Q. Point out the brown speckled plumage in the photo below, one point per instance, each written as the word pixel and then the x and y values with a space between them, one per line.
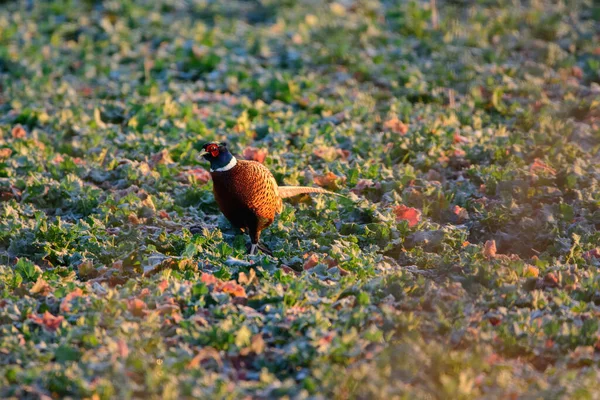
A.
pixel 247 192
pixel 248 196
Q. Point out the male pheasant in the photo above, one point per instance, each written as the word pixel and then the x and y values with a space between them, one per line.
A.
pixel 247 192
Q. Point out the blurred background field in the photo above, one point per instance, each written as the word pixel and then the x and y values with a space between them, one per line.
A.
pixel 464 263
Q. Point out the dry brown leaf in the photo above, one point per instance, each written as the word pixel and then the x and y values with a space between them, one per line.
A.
pixel 203 354
pixel 551 280
pixel 395 125
pixel 41 287
pixel 257 346
pixel 311 260
pixel 489 249
pixel 247 279
pixel 48 321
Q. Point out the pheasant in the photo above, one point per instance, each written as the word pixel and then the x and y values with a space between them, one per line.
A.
pixel 247 192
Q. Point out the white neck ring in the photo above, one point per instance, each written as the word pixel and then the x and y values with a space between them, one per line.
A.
pixel 232 163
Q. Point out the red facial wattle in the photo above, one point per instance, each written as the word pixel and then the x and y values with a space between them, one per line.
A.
pixel 213 150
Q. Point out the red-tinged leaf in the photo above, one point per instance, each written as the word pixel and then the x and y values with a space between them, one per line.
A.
pixel 200 174
pixel 457 210
pixel 203 112
pixel 591 254
pixel 458 138
pixel 144 293
pixel 163 285
pixel 459 153
pixel 208 279
pixel 551 280
pixel 311 260
pixel 326 340
pixel 409 214
pixel 294 312
pixel 232 288
pixel 48 321
pixel 57 159
pixel 65 304
pixel 329 180
pixel 395 125
pixel 344 154
pixel 443 159
pixel 136 307
pixel 255 154
pixel 539 166
pixel 164 215
pixel 493 359
pixel 18 132
pixel 123 349
pixel 460 212
pixel 331 262
pixel 343 272
pixel 597 344
pixel 489 249
pixel 5 153
pixel 288 269
pixel 86 91
pixel 133 219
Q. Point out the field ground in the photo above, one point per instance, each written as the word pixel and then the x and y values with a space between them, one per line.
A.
pixel 462 264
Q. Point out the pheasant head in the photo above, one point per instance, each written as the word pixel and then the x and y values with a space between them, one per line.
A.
pixel 219 156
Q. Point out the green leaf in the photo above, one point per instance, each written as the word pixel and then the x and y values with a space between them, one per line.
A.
pixel 27 270
pixel 64 354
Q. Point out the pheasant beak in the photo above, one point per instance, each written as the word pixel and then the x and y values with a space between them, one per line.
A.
pixel 204 152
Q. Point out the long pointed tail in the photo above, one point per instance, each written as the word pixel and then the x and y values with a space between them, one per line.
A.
pixel 290 191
